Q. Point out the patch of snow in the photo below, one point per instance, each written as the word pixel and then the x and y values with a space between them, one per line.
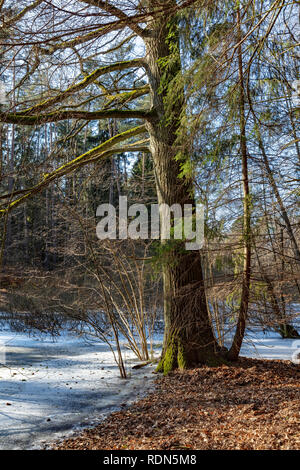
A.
pixel 268 345
pixel 50 388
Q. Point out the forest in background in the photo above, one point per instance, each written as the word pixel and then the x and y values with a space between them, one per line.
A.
pixel 162 102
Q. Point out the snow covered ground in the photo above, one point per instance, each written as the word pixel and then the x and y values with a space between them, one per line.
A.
pixel 268 345
pixel 50 389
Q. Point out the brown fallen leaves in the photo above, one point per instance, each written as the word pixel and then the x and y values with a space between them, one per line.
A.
pixel 252 405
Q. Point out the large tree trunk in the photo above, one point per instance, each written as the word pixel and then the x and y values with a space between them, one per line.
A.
pixel 189 338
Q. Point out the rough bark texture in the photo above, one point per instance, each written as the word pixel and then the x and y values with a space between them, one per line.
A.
pixel 189 338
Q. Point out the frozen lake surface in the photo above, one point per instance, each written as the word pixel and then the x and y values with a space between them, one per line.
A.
pixel 50 389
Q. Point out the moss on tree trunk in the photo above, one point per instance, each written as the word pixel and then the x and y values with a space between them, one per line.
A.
pixel 178 354
pixel 189 338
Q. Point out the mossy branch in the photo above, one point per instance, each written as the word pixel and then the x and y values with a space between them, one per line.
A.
pixel 19 119
pixel 102 151
pixel 126 97
pixel 21 14
pixel 82 84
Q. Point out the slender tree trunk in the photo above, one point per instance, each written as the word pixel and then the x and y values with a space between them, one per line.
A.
pixel 2 139
pixel 11 180
pixel 112 163
pixel 280 202
pixel 26 235
pixel 269 285
pixel 189 338
pixel 234 351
